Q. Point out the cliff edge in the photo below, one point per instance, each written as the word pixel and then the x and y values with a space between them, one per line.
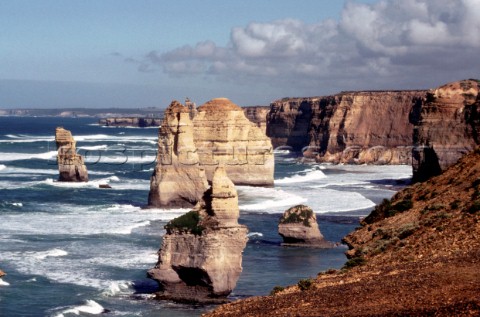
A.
pixel 417 254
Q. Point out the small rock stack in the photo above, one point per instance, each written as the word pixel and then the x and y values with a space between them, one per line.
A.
pixel 298 227
pixel 70 165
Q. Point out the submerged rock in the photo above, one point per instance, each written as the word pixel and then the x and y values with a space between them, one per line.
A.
pixel 200 259
pixel 70 165
pixel 178 180
pixel 298 227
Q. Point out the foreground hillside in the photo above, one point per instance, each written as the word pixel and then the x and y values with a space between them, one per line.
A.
pixel 416 255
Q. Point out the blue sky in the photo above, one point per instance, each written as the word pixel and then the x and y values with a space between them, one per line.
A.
pixel 119 53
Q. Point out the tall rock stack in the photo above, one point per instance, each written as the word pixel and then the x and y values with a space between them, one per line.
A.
pixel 447 126
pixel 200 259
pixel 70 165
pixel 223 135
pixel 178 180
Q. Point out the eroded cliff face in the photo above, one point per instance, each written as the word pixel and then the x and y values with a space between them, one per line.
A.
pixel 257 115
pixel 223 135
pixel 447 127
pixel 178 180
pixel 200 259
pixel 71 166
pixel 351 127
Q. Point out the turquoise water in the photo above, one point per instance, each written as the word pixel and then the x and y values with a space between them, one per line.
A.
pixel 74 249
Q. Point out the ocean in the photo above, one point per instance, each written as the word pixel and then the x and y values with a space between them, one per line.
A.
pixel 74 249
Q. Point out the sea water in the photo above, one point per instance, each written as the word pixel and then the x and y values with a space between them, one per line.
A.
pixel 75 249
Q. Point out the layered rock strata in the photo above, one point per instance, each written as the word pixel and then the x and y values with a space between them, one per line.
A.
pixel 71 165
pixel 178 179
pixel 223 135
pixel 298 227
pixel 200 259
pixel 446 127
pixel 350 127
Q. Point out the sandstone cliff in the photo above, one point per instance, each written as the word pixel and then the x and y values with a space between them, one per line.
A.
pixel 70 165
pixel 178 180
pixel 223 135
pixel 350 127
pixel 200 259
pixel 447 127
pixel 415 255
pixel 257 115
pixel 298 227
pixel 130 122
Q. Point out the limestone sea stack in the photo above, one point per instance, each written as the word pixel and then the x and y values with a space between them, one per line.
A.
pixel 224 135
pixel 200 259
pixel 447 126
pixel 70 164
pixel 2 273
pixel 178 180
pixel 298 227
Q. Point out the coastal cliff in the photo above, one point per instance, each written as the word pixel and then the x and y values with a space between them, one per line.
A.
pixel 71 166
pixel 177 180
pixel 140 122
pixel 447 126
pixel 200 259
pixel 350 127
pixel 414 255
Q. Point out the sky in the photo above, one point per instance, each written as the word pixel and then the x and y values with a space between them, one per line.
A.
pixel 146 53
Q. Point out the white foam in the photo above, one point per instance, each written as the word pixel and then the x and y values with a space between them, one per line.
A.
pixel 3 283
pixel 50 253
pixel 17 204
pixel 309 176
pixel 90 307
pixel 2 167
pixel 254 234
pixel 129 229
pixel 94 147
pixel 117 287
pixel 267 199
pixel 8 157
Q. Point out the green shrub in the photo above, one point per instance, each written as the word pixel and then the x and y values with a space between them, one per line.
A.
pixel 455 204
pixel 404 205
pixel 305 284
pixel 186 223
pixel 276 289
pixel 305 214
pixel 357 261
pixel 407 230
pixel 475 207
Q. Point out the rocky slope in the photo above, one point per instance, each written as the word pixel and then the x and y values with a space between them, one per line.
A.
pixel 70 165
pixel 200 259
pixel 416 255
pixel 350 127
pixel 130 122
pixel 447 127
pixel 223 135
pixel 177 180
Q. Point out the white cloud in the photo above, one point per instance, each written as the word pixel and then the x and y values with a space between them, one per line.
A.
pixel 380 44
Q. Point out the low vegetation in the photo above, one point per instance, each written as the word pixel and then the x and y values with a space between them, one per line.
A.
pixel 188 222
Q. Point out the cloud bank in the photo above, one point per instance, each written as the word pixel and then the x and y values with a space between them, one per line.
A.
pixel 389 44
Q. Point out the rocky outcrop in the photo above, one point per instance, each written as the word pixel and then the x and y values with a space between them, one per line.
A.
pixel 130 122
pixel 350 127
pixel 298 227
pixel 2 273
pixel 70 165
pixel 223 135
pixel 178 180
pixel 257 115
pixel 200 259
pixel 446 127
